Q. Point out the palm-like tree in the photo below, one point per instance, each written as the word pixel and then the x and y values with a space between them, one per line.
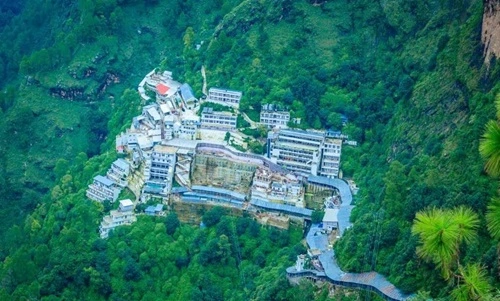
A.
pixel 489 147
pixel 473 284
pixel 441 233
pixel 493 218
pixel 467 222
pixel 438 236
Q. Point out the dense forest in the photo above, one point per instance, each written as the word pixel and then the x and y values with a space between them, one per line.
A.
pixel 408 75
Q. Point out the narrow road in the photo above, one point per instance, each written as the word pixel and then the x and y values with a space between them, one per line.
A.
pixel 204 89
pixel 253 124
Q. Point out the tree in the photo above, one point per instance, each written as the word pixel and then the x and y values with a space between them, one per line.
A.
pixel 441 233
pixel 493 218
pixel 489 147
pixel 473 284
pixel 213 216
pixel 317 216
pixel 172 223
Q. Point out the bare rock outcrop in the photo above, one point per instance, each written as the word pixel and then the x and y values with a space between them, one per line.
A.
pixel 490 34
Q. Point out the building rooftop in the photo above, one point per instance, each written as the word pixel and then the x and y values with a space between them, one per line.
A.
pixel 218 190
pixel 179 190
pixel 302 133
pixel 280 207
pixel 126 203
pixel 224 90
pixel 331 215
pixel 121 163
pixel 104 180
pixel 166 149
pixel 162 89
pixel 183 143
pixel 154 209
pixel 268 107
pixel 186 92
pixel 154 114
pixel 165 108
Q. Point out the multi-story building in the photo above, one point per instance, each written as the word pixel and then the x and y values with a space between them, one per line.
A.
pixel 277 187
pixel 119 172
pixel 214 119
pixel 123 216
pixel 305 152
pixel 330 158
pixel 224 97
pixel 296 150
pixel 161 165
pixel 102 189
pixel 187 95
pixel 274 117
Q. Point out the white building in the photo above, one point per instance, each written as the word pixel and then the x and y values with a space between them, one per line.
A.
pixel 330 219
pixel 123 216
pixel 297 151
pixel 224 97
pixel 305 152
pixel 274 117
pixel 161 170
pixel 277 187
pixel 330 159
pixel 102 189
pixel 219 120
pixel 119 171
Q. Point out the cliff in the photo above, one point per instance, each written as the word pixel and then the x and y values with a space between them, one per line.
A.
pixel 490 33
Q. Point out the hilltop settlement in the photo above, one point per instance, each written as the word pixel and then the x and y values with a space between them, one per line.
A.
pixel 184 153
pixel 184 150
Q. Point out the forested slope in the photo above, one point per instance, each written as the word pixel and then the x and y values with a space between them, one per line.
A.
pixel 408 75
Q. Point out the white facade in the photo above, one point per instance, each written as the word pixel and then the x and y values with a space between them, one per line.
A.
pixel 119 171
pixel 297 151
pixel 274 117
pixel 330 159
pixel 213 119
pixel 277 187
pixel 224 97
pixel 305 152
pixel 102 189
pixel 160 173
pixel 123 216
pixel 330 219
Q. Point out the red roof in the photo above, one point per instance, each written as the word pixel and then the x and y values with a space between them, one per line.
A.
pixel 162 89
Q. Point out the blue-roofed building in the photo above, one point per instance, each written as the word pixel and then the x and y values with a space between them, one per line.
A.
pixel 206 194
pixel 102 189
pixel 286 209
pixel 154 210
pixel 187 94
pixel 119 172
pixel 179 190
pixel 218 192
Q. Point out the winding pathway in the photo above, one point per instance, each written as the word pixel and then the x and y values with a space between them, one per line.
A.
pixel 371 281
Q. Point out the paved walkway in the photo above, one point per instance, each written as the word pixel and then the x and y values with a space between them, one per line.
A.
pixel 317 239
pixel 253 124
pixel 203 74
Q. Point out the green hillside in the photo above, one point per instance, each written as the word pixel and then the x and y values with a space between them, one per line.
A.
pixel 408 75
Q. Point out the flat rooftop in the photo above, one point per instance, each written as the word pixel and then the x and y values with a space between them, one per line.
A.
pixel 165 149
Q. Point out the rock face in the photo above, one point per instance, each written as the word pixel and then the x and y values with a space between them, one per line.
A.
pixel 490 35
